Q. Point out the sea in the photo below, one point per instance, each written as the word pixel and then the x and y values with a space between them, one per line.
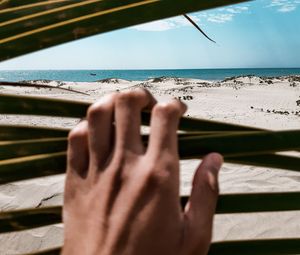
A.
pixel 141 75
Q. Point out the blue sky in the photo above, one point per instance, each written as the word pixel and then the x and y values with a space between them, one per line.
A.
pixel 262 33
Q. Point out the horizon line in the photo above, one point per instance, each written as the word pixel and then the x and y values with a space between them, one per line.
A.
pixel 150 69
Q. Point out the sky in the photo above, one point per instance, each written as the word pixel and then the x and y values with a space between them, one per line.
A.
pixel 261 33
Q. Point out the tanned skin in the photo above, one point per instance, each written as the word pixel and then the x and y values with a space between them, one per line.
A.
pixel 122 198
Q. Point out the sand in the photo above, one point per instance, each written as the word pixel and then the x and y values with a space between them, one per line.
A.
pixel 271 103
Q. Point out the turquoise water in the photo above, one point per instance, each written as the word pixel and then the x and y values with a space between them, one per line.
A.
pixel 141 75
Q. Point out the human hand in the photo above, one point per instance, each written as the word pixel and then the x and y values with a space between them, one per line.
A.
pixel 123 198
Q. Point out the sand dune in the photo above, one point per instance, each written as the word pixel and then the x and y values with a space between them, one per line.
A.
pixel 271 103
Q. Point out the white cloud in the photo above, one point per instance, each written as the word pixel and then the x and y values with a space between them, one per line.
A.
pixel 160 25
pixel 216 16
pixel 284 5
pixel 167 24
pixel 220 18
pixel 287 8
pixel 237 9
pixel 224 15
pixel 231 10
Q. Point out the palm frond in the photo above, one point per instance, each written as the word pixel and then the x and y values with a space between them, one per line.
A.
pixel 288 246
pixel 198 28
pixel 268 160
pixel 240 144
pixel 257 247
pixel 17 9
pixel 38 86
pixel 42 165
pixel 30 152
pixel 246 247
pixel 19 220
pixel 13 149
pixel 237 143
pixel 32 167
pixel 18 132
pixel 54 251
pixel 15 104
pixel 6 4
pixel 78 19
pixel 29 218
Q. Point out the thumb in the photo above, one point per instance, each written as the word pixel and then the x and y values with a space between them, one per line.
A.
pixel 201 207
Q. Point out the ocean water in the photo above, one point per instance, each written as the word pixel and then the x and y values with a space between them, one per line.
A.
pixel 141 75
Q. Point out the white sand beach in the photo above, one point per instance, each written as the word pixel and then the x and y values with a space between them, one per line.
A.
pixel 271 103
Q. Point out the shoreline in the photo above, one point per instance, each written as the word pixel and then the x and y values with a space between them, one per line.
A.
pixel 143 75
pixel 290 78
pixel 239 79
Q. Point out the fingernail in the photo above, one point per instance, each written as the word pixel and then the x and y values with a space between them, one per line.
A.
pixel 216 161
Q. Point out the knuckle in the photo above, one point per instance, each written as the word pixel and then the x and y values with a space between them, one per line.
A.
pixel 141 92
pixel 127 96
pixel 78 134
pixel 182 107
pixel 168 110
pixel 159 177
pixel 133 97
pixel 99 108
pixel 158 181
pixel 94 112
